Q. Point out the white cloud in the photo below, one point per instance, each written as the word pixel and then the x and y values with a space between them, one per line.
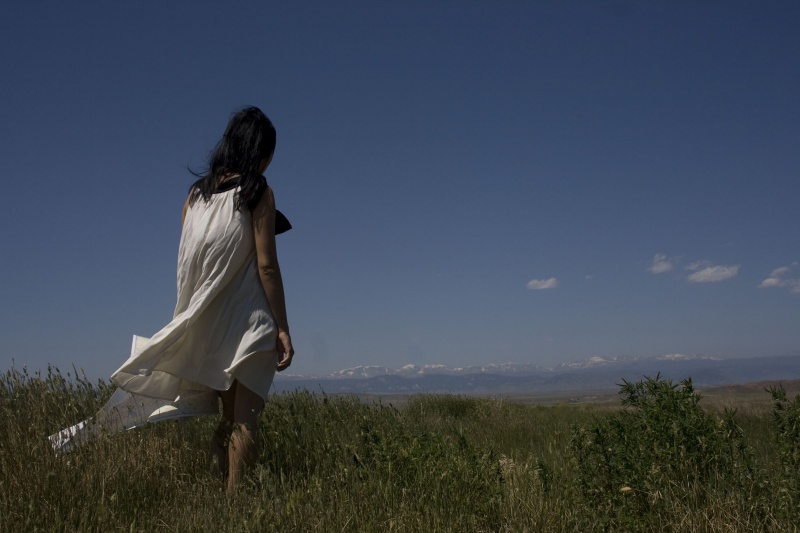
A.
pixel 778 279
pixel 771 282
pixel 661 264
pixel 712 273
pixel 697 265
pixel 538 284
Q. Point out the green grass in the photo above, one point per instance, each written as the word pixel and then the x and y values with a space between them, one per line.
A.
pixel 434 463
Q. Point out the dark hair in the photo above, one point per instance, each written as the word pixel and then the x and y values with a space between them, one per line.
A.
pixel 248 139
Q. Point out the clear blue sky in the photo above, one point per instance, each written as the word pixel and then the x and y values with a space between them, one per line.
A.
pixel 469 182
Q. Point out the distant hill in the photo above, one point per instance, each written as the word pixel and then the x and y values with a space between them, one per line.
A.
pixel 595 373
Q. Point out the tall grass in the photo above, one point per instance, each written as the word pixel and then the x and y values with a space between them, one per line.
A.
pixel 438 463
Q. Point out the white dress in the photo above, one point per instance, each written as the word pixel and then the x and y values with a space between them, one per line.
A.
pixel 223 328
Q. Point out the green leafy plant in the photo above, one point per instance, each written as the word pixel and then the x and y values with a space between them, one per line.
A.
pixel 786 417
pixel 660 450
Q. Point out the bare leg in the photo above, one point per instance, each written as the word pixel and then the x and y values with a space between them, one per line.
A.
pixel 241 407
pixel 222 435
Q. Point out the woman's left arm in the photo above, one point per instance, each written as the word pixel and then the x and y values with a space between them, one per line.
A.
pixel 269 272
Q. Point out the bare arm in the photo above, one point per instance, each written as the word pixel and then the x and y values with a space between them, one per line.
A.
pixel 269 272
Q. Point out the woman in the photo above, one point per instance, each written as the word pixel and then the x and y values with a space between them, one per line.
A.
pixel 229 332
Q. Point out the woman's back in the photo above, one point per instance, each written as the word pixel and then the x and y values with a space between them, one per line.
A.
pixel 215 237
pixel 222 329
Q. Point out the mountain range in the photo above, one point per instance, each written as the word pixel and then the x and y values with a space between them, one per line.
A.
pixel 595 373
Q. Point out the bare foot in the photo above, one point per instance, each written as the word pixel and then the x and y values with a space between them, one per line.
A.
pixel 219 451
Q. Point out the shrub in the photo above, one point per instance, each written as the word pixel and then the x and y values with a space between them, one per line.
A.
pixel 786 416
pixel 660 451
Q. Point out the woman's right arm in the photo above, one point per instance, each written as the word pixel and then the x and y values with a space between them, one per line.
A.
pixel 269 271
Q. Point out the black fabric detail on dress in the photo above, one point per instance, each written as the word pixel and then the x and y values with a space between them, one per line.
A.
pixel 282 224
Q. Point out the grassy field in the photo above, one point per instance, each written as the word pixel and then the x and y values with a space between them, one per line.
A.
pixel 663 461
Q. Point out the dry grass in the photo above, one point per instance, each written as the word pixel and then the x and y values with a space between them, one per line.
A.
pixel 436 463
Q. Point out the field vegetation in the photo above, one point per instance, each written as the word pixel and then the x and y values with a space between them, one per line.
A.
pixel 657 459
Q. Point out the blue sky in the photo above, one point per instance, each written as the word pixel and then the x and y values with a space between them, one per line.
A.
pixel 469 182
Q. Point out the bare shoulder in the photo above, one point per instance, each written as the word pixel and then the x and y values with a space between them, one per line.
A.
pixel 264 212
pixel 266 202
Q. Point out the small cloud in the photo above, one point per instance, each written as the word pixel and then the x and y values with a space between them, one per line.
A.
pixel 589 276
pixel 771 282
pixel 539 284
pixel 697 265
pixel 778 278
pixel 661 264
pixel 712 273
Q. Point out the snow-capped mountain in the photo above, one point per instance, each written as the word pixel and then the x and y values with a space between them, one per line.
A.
pixel 683 357
pixel 361 372
pixel 410 370
pixel 595 373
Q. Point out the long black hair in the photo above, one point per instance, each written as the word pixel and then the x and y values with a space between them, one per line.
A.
pixel 248 140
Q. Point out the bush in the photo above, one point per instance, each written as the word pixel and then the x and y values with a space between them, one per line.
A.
pixel 660 452
pixel 786 416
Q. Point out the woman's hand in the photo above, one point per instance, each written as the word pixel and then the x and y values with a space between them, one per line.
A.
pixel 284 346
